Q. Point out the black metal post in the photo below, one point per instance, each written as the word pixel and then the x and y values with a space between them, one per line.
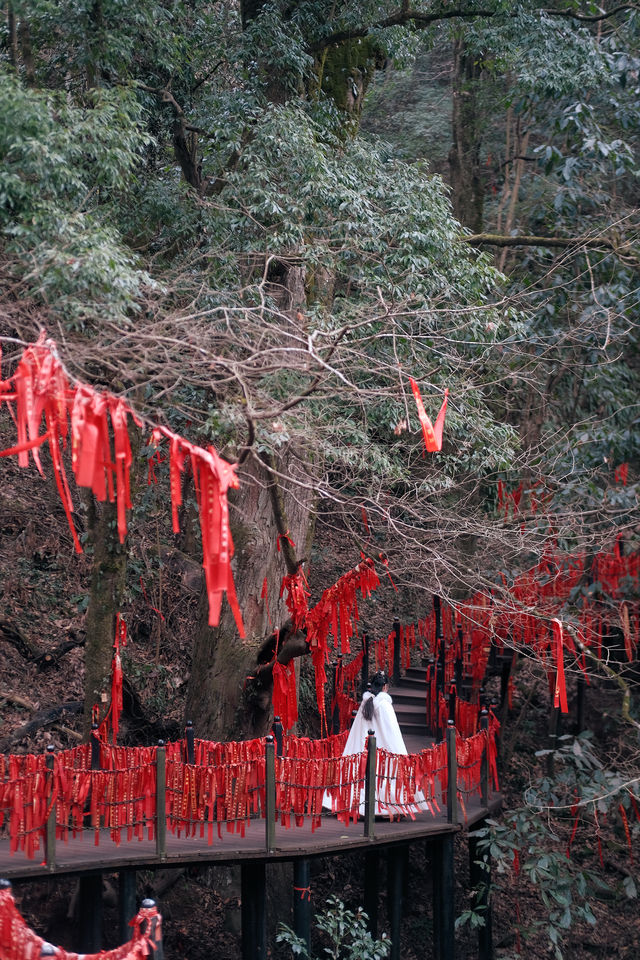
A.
pixel 189 734
pixel 90 910
pixel 395 862
pixel 278 734
pixel 452 702
pixel 95 747
pixel 370 787
pixel 50 835
pixel 480 879
pixel 484 763
pixel 270 794
pixel 441 663
pixel 302 900
pixel 161 800
pixel 431 667
pixel 155 930
pixel 364 674
pixel 452 782
pixel 459 659
pixel 396 651
pixel 126 902
pixel 372 889
pixel 435 856
pixel 254 911
pixel 335 714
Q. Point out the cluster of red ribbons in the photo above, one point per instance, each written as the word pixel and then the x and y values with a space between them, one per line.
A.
pixel 223 788
pixel 431 433
pixel 285 701
pixel 344 694
pixel 466 718
pixel 336 613
pixel 19 942
pixel 101 457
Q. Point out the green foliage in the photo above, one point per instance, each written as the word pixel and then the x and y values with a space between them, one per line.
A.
pixel 63 166
pixel 536 846
pixel 345 935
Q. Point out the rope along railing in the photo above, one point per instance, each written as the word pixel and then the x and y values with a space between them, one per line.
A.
pixel 145 792
pixel 19 942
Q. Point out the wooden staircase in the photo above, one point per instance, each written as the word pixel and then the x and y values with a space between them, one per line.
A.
pixel 409 697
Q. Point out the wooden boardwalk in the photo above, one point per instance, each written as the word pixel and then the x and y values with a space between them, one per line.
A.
pixel 81 855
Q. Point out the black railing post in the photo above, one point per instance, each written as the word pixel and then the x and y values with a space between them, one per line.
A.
pixel 50 837
pixel 452 702
pixel 484 763
pixel 278 734
pixel 364 673
pixel 397 629
pixel 459 659
pixel 439 651
pixel 189 734
pixel 95 747
pixel 430 677
pixel 270 794
pixel 154 933
pixel 161 800
pixel 452 780
pixel 370 787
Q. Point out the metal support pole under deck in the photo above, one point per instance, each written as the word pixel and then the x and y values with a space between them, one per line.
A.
pixel 302 900
pixel 126 902
pixel 372 889
pixel 90 910
pixel 480 879
pixel 448 907
pixel 395 870
pixel 254 912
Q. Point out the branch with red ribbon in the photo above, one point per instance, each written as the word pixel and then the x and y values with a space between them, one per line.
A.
pixel 101 458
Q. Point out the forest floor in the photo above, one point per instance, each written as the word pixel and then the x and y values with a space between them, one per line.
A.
pixel 43 594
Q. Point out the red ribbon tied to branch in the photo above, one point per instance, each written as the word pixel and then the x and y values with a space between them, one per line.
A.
pixel 432 433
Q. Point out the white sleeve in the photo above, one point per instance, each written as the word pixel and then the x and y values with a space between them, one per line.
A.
pixel 359 730
pixel 388 732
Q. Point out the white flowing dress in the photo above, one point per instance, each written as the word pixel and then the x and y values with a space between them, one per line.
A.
pixel 386 729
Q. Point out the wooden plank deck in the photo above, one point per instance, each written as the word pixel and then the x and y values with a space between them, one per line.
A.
pixel 81 855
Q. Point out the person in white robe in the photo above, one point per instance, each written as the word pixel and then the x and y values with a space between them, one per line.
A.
pixel 376 713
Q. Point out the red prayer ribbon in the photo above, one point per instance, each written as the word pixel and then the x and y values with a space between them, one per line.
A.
pixel 431 433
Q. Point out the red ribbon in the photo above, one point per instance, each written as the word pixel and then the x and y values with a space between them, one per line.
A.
pixel 431 433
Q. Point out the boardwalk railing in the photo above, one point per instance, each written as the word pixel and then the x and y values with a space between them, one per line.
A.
pixel 147 792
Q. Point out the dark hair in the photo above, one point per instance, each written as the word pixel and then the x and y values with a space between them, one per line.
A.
pixel 378 681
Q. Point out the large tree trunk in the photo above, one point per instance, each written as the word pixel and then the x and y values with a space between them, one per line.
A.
pixel 108 577
pixel 467 185
pixel 216 700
